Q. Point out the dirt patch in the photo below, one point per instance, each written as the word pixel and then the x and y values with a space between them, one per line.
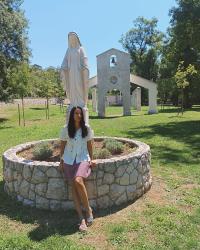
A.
pixel 97 144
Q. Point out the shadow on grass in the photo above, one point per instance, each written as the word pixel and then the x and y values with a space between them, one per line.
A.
pixel 47 223
pixel 38 108
pixel 176 109
pixel 187 132
pixel 3 120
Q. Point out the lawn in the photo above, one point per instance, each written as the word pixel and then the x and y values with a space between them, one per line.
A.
pixel 166 217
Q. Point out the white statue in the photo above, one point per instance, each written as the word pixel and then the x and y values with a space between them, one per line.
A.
pixel 75 75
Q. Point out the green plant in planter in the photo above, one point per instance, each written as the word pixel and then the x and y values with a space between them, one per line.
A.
pixel 102 153
pixel 114 146
pixel 42 151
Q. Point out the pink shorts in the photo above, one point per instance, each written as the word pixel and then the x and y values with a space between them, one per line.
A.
pixel 81 169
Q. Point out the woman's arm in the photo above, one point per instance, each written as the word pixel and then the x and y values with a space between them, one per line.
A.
pixel 90 151
pixel 62 148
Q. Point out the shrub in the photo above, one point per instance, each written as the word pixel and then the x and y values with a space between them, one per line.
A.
pixel 42 151
pixel 101 153
pixel 115 147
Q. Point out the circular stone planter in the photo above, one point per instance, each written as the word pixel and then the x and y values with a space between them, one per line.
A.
pixel 112 182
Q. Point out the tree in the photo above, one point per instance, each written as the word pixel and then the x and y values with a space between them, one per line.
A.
pixel 13 43
pixel 144 43
pixel 183 45
pixel 181 78
pixel 19 79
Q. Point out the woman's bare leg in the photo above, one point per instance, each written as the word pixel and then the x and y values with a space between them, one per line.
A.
pixel 77 201
pixel 82 193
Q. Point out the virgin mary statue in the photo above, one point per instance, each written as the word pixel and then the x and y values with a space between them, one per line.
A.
pixel 75 75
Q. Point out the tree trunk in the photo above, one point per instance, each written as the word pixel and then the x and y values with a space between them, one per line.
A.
pixel 47 108
pixel 23 110
pixel 19 114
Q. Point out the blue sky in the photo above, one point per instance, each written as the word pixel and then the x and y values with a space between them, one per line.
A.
pixel 99 25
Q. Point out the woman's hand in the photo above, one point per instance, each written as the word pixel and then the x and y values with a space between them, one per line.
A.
pixel 92 163
pixel 60 167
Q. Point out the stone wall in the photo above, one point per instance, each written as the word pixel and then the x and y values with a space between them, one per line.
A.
pixel 113 181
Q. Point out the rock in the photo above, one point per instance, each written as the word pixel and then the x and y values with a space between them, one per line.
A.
pixel 9 188
pixel 41 202
pixel 54 205
pixel 139 192
pixel 110 168
pixel 27 173
pixel 146 186
pixel 121 199
pixel 92 176
pixel 19 180
pixel 102 190
pixel 131 192
pixel 24 188
pixel 99 182
pixel 15 186
pixel 130 168
pixel 19 198
pixel 135 162
pixel 66 205
pixel 53 172
pixel 117 180
pixel 103 202
pixel 124 179
pixel 70 193
pixel 31 195
pixel 56 189
pixel 41 189
pixel 28 202
pixel 139 183
pixel 100 174
pixel 108 178
pixel 8 174
pixel 116 191
pixel 91 189
pixel 133 177
pixel 38 176
pixel 120 170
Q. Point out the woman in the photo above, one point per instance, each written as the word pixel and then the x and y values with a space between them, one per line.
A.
pixel 76 161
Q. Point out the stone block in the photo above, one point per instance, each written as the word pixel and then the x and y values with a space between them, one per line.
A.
pixel 103 202
pixel 116 191
pixel 66 205
pixel 56 189
pixel 133 177
pixel 131 192
pixel 102 190
pixel 53 172
pixel 108 178
pixel 41 189
pixel 41 202
pixel 24 188
pixel 124 180
pixel 122 199
pixel 91 189
pixel 54 205
pixel 27 173
pixel 38 176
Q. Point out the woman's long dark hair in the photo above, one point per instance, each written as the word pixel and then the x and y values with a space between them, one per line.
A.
pixel 71 124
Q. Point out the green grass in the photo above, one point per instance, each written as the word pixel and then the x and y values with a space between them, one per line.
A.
pixel 175 147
